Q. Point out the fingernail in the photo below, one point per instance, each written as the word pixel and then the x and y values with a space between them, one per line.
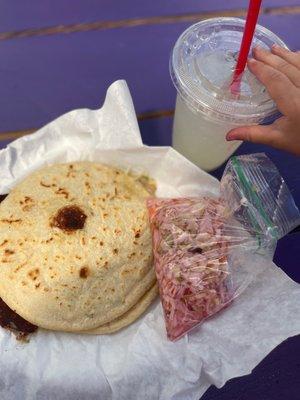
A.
pixel 252 61
pixel 230 136
pixel 260 51
pixel 276 47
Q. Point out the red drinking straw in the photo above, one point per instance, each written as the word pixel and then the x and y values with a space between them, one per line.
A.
pixel 252 16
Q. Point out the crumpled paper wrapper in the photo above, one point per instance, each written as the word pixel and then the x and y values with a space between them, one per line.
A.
pixel 139 362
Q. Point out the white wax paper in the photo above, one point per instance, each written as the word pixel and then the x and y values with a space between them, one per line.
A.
pixel 139 362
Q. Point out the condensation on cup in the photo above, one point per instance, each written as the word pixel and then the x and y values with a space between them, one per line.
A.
pixel 201 67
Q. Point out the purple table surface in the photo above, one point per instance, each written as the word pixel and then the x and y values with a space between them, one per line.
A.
pixel 44 75
pixel 17 15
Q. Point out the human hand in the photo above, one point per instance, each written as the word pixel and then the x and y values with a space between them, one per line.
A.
pixel 279 71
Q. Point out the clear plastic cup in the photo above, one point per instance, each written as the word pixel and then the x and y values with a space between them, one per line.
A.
pixel 201 67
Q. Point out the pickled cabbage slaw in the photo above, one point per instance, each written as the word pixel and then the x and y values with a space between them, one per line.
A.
pixel 190 260
pixel 194 239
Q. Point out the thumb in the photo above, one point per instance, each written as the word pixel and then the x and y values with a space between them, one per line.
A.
pixel 256 134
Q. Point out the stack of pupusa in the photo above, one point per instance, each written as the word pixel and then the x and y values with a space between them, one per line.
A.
pixel 76 248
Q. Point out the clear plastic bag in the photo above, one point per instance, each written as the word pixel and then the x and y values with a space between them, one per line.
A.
pixel 200 244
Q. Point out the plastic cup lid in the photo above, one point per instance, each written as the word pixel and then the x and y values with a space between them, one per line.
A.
pixel 202 64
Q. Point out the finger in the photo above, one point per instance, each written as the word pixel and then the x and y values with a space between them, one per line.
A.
pixel 289 56
pixel 280 88
pixel 256 134
pixel 288 69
